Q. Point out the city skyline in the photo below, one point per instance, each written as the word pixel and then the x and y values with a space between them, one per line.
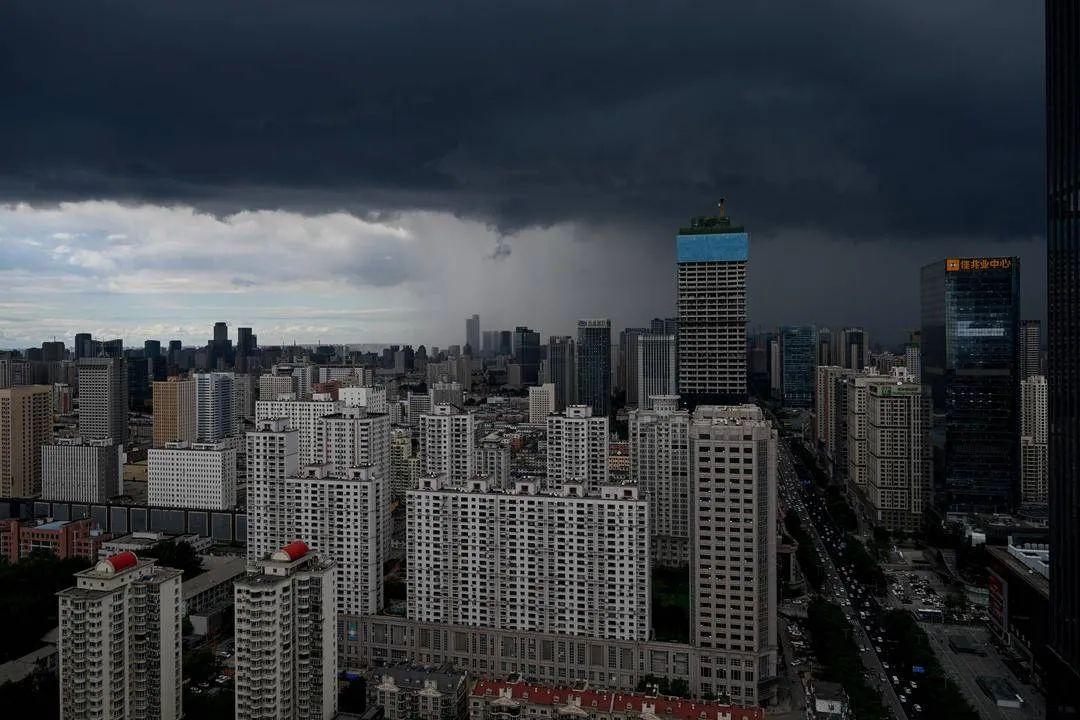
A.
pixel 417 209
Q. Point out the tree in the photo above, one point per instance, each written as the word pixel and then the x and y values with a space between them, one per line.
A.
pixel 179 555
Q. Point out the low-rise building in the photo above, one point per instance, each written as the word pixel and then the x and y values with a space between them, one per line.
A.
pixel 406 692
pixel 141 542
pixel 61 538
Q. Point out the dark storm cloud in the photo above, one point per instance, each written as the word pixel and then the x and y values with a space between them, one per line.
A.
pixel 868 120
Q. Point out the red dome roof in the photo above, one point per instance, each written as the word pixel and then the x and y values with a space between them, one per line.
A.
pixel 123 560
pixel 296 549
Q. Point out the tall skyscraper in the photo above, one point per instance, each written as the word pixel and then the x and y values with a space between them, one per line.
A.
pixel 527 354
pixel 1033 440
pixel 1063 358
pixel 562 370
pixel 472 334
pixel 174 411
pixel 119 649
pixel 660 466
pixel 733 553
pixel 286 637
pixel 854 348
pixel 655 370
pixel 215 416
pixel 577 449
pixel 1030 348
pixel 712 256
pixel 25 427
pixel 245 349
pixel 304 416
pixel 970 323
pixel 594 365
pixel 626 363
pixel 103 398
pixel 82 346
pixel 798 355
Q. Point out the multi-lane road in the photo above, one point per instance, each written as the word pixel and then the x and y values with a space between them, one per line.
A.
pixel 841 587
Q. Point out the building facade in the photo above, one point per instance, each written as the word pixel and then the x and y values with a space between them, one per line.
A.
pixel 594 364
pixel 577 449
pixel 660 467
pixel 562 370
pixel 215 413
pixel 25 428
pixel 88 471
pixel 541 403
pixel 798 355
pixel 198 475
pixel 174 411
pixel 448 443
pixel 899 454
pixel 120 650
pixel 273 452
pixel 303 416
pixel 1034 434
pixel 103 398
pixel 655 370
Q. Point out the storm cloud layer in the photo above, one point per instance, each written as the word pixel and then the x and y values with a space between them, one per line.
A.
pixel 831 126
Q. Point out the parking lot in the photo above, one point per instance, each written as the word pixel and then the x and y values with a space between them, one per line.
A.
pixel 965 667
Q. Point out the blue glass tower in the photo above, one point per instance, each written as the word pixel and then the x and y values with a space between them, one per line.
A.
pixel 798 359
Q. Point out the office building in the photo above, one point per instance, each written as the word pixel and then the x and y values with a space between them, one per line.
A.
pixel 626 363
pixel 63 539
pixel 527 354
pixel 103 398
pixel 215 413
pixel 712 255
pixel 541 403
pixel 418 404
pixel 286 638
pixel 1063 358
pixel 302 415
pixel 655 371
pixel 273 451
pixel 343 515
pixel 594 365
pixel 798 353
pixel 246 347
pixel 853 351
pixel 660 467
pixel 1034 433
pixel 192 475
pixel 448 443
pixel 25 426
pixel 174 411
pixel 562 370
pixel 1030 349
pixel 472 334
pixel 119 649
pixel 970 323
pixel 73 470
pixel 733 584
pixel 577 449
pixel 899 454
pixel 562 563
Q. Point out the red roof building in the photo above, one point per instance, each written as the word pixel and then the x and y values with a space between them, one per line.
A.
pixel 497 700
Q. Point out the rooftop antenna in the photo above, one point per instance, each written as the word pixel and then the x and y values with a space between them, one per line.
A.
pixel 723 211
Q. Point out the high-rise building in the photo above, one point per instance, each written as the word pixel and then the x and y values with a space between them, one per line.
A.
pixel 286 637
pixel 655 371
pixel 471 550
pixel 215 415
pixel 418 405
pixel 856 397
pixel 660 466
pixel 1030 348
pixel 899 457
pixel 970 322
pixel 273 386
pixel 541 403
pixel 626 363
pixel 103 398
pixel 825 354
pixel 1033 440
pixel 447 393
pixel 712 255
pixel 1063 357
pixel 354 437
pixel 302 415
pixel 76 471
pixel 854 348
pixel 187 475
pixel 25 427
pixel 733 584
pixel 401 453
pixel 54 351
pixel 594 365
pixel 562 370
pixel 506 343
pixel 798 353
pixel 83 347
pixel 119 649
pixel 174 411
pixel 577 449
pixel 913 361
pixel 273 450
pixel 830 418
pixel 527 354
pixel 494 461
pixel 245 349
pixel 343 515
pixel 472 334
pixel 448 443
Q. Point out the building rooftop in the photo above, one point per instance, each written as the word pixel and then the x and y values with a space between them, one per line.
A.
pixel 52 526
pixel 218 570
pixel 413 677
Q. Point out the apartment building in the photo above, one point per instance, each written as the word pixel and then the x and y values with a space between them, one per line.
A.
pixel 577 449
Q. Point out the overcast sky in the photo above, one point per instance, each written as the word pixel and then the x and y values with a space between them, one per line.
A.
pixel 375 172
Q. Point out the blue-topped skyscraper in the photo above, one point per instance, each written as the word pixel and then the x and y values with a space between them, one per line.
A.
pixel 594 365
pixel 970 361
pixel 712 254
pixel 798 361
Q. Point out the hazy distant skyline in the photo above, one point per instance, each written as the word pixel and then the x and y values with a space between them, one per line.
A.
pixel 343 172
